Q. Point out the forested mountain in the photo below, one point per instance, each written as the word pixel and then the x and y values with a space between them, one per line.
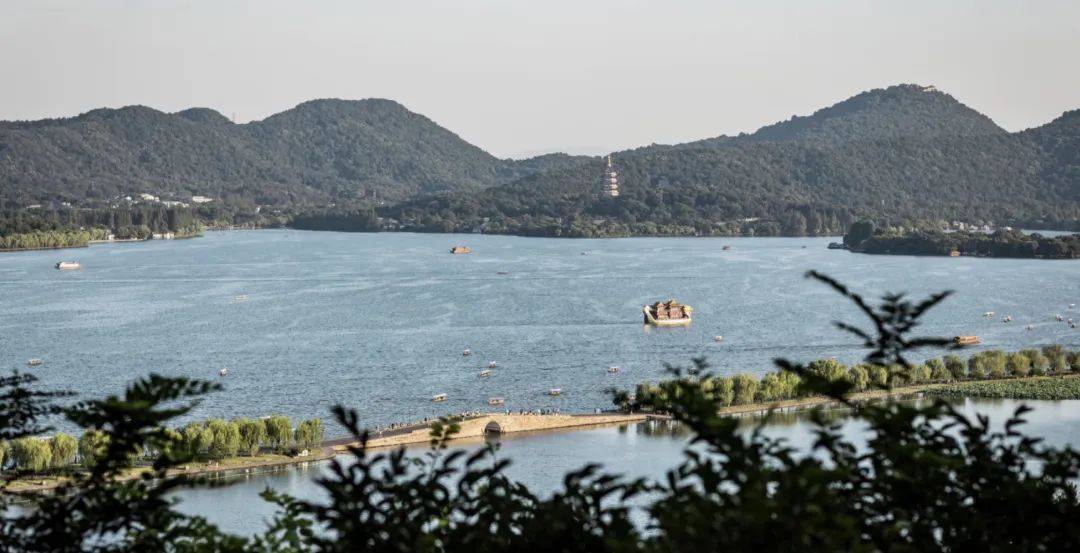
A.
pixel 1059 143
pixel 895 112
pixel 906 153
pixel 319 152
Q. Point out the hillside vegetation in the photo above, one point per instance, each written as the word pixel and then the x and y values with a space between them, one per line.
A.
pixel 905 154
pixel 319 152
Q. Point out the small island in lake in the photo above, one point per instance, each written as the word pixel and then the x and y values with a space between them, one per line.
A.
pixel 863 237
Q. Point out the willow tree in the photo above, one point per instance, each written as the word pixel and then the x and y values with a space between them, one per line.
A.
pixel 309 434
pixel 31 454
pixel 252 436
pixel 64 447
pixel 278 432
pixel 197 439
pixel 92 446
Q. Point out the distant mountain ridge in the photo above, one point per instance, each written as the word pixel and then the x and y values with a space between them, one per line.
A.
pixel 320 151
pixel 906 151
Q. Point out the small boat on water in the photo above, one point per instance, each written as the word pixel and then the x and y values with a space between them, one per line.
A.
pixel 1007 319
pixel 460 249
pixel 988 314
pixel 224 371
pixel 1029 327
pixel 485 373
pixel 34 362
pixel 718 338
pixel 836 246
pixel 613 370
pixel 502 272
pixel 467 352
pixel 727 248
pixel 555 392
pixel 438 398
pixel 1059 317
pixel 68 265
pixel 669 313
pixel 492 365
pixel 240 297
pixel 496 401
pixel 966 340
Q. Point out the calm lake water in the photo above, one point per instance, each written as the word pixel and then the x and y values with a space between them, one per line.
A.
pixel 637 450
pixel 378 322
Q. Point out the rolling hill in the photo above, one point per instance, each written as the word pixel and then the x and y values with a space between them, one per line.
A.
pixel 318 152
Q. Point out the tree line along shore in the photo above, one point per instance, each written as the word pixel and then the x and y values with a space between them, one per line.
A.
pixel 866 237
pixel 749 390
pixel 211 442
pixel 74 228
pixel 67 227
pixel 274 440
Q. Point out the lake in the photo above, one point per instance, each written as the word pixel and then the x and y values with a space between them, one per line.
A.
pixel 378 322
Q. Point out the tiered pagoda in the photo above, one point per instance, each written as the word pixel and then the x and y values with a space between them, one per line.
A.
pixel 610 186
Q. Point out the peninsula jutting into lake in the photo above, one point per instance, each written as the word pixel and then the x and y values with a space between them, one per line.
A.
pixel 863 237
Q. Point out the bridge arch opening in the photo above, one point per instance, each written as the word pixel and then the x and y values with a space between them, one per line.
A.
pixel 492 428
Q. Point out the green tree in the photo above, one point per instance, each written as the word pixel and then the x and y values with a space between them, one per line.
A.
pixel 977 366
pixel 31 454
pixel 1056 358
pixel 1039 363
pixel 746 387
pixel 309 434
pixel 197 440
pixel 879 376
pixel 725 391
pixel 252 436
pixel 830 369
pixel 1018 364
pixel 278 432
pixel 92 446
pixel 64 448
pixel 769 389
pixel 224 439
pixel 859 375
pixel 858 233
pixel 789 384
pixel 938 371
pixel 956 367
pixel 996 363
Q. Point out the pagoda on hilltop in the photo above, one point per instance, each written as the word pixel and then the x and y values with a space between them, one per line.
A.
pixel 610 184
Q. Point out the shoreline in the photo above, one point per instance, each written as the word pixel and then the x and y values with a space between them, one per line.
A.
pixel 477 427
pixel 418 433
pixel 99 242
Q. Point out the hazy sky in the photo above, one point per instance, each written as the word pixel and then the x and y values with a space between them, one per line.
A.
pixel 520 77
